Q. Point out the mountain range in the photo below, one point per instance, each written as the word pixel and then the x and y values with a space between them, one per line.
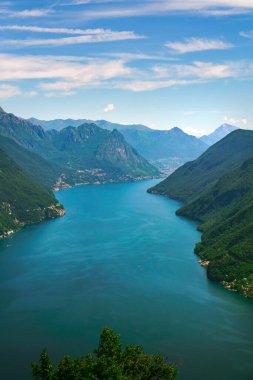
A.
pixel 217 190
pixel 33 161
pixel 85 154
pixel 166 149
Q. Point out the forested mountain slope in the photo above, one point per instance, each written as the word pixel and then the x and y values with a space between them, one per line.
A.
pixel 197 176
pixel 217 190
pixel 22 200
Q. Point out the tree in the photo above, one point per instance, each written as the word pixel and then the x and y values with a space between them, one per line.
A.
pixel 109 362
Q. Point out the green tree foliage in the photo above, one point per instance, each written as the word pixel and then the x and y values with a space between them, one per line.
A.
pixel 22 199
pixel 109 362
pixel 36 166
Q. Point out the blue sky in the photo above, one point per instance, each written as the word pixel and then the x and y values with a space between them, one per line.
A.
pixel 163 63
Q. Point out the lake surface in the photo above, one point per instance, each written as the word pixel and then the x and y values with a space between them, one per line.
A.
pixel 120 257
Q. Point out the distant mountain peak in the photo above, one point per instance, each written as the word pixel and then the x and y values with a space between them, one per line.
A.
pixel 226 127
pixel 218 134
pixel 115 132
pixel 177 131
pixel 1 110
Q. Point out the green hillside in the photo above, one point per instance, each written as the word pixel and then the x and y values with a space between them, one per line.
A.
pixel 224 206
pixel 42 170
pixel 22 200
pixel 226 213
pixel 195 177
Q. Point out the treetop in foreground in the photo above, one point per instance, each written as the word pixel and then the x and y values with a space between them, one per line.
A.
pixel 109 361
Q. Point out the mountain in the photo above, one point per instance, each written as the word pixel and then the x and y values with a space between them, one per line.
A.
pixel 86 154
pixel 220 195
pixel 36 166
pixel 31 137
pixel 22 200
pixel 195 177
pixel 218 134
pixel 226 215
pixel 166 149
pixel 100 155
pixel 121 127
pixel 171 144
pixel 59 124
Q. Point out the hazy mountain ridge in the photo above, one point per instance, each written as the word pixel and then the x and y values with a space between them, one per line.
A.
pixel 217 190
pixel 59 124
pixel 166 149
pixel 158 144
pixel 218 134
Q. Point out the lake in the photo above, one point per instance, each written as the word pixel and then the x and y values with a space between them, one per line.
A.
pixel 120 257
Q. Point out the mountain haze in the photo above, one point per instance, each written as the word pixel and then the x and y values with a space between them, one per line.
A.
pixel 218 134
pixel 59 124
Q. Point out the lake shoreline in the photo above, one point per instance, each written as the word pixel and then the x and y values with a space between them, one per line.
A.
pixel 202 262
pixel 118 255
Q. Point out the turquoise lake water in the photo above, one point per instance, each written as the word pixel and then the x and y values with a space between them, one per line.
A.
pixel 122 258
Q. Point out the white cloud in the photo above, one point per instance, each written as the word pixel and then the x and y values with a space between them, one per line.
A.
pixel 201 70
pixel 172 75
pixel 226 12
pixel 149 8
pixel 84 2
pixel 93 38
pixel 138 56
pixel 145 85
pixel 85 36
pixel 7 91
pixel 109 108
pixel 32 13
pixel 248 34
pixel 194 131
pixel 197 44
pixel 71 31
pixel 239 122
pixel 31 94
pixel 64 73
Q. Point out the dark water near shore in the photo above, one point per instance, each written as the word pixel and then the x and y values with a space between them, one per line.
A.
pixel 120 257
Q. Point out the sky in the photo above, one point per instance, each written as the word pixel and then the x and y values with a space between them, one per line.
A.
pixel 162 63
